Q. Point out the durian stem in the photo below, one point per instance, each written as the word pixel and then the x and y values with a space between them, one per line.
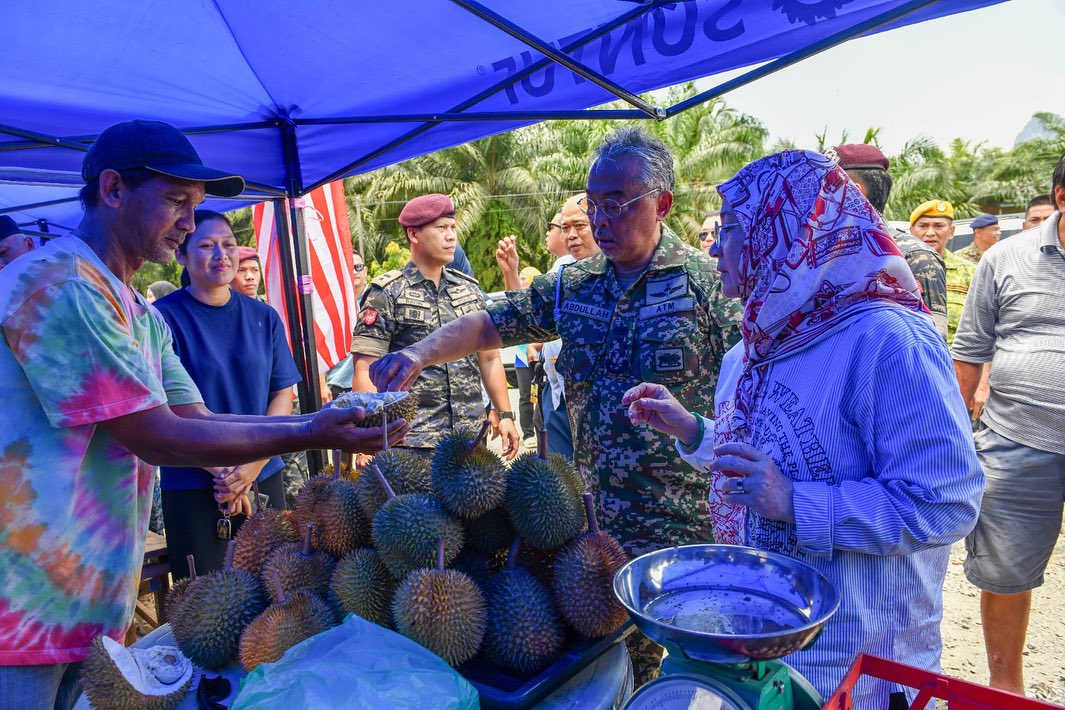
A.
pixel 512 558
pixel 541 444
pixel 230 549
pixel 440 554
pixel 192 566
pixel 589 508
pixel 384 427
pixel 255 490
pixel 480 435
pixel 336 464
pixel 384 482
pixel 307 540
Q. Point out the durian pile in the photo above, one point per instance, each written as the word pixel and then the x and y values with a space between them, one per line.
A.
pixel 465 556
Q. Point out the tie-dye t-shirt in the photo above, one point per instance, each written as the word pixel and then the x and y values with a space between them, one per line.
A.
pixel 78 348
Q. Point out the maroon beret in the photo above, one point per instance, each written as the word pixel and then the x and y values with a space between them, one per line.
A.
pixel 248 253
pixel 425 209
pixel 858 155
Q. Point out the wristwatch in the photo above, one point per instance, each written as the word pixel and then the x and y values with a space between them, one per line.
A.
pixel 505 415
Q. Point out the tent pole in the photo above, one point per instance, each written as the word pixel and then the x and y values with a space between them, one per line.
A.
pixel 301 320
pixel 799 55
pixel 35 205
pixel 490 91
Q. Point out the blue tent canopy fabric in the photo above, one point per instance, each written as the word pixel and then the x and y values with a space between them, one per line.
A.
pixel 352 84
pixel 293 95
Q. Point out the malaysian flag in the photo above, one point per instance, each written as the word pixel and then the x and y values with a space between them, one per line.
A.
pixel 325 222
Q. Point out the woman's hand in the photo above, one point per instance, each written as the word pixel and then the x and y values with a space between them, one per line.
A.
pixel 230 482
pixel 654 406
pixel 754 481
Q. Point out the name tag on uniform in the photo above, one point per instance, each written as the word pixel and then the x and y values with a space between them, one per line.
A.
pixel 677 305
pixel 588 311
pixel 665 289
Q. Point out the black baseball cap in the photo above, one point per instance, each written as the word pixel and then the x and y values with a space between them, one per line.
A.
pixel 158 147
pixel 8 227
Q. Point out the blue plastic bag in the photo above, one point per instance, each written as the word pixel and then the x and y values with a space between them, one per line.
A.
pixel 356 664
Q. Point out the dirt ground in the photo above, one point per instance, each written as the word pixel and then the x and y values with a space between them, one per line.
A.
pixel 963 640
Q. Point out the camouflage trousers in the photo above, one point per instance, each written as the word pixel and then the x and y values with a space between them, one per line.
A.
pixel 646 658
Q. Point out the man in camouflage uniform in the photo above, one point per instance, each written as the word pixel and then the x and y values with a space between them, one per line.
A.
pixel 933 223
pixel 648 308
pixel 404 306
pixel 867 166
pixel 986 233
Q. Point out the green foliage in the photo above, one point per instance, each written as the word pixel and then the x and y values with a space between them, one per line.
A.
pixel 394 257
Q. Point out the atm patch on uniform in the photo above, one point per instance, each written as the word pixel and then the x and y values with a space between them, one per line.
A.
pixel 677 305
pixel 669 360
pixel 413 314
pixel 659 290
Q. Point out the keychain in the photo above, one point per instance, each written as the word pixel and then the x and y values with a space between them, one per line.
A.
pixel 224 528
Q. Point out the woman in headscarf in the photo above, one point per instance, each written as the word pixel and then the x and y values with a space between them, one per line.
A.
pixel 841 438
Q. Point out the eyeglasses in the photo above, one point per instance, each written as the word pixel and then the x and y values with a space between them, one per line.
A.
pixel 358 267
pixel 612 209
pixel 552 225
pixel 722 227
pixel 706 236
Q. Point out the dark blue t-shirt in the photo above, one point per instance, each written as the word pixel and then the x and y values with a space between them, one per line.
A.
pixel 236 354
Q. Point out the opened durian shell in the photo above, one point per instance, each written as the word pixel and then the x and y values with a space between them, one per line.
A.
pixel 118 678
pixel 395 405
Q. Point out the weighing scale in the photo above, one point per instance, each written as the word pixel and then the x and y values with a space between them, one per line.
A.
pixel 725 613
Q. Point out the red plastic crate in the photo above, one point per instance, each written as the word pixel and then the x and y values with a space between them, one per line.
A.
pixel 959 694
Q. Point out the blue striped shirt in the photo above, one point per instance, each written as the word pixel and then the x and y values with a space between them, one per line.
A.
pixel 869 425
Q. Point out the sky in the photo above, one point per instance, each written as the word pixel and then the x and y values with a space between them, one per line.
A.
pixel 978 75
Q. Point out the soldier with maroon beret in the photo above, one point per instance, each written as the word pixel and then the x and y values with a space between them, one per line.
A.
pixel 403 306
pixel 867 166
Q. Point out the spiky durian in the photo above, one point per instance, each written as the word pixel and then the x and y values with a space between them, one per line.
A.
pixel 177 591
pixel 362 584
pixel 468 479
pixel 260 535
pixel 295 566
pixel 544 500
pixel 214 611
pixel 442 610
pixel 490 532
pixel 407 527
pixel 393 405
pixel 112 679
pixel 525 633
pixel 583 583
pixel 405 473
pixel 281 626
pixel 339 524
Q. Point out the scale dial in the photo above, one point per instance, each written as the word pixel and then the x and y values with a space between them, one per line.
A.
pixel 684 692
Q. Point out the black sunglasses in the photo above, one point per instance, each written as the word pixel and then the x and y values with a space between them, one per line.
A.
pixel 359 267
pixel 704 235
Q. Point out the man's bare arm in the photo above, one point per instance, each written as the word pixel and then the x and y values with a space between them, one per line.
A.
pixel 361 382
pixel 968 374
pixel 161 437
pixel 494 376
pixel 463 336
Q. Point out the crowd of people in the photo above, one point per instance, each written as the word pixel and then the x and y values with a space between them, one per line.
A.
pixel 810 382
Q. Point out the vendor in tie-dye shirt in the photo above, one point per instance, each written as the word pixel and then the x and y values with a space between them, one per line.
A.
pixel 92 390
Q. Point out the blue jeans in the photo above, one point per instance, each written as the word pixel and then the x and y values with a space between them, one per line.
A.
pixel 44 687
pixel 559 435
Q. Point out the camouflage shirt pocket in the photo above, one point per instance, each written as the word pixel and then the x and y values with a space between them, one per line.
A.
pixel 583 341
pixel 669 350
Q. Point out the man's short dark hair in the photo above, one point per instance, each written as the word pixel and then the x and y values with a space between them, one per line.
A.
pixel 877 184
pixel 89 195
pixel 1058 180
pixel 1038 201
pixel 202 216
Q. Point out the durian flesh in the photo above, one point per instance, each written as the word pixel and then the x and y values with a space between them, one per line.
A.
pixel 118 678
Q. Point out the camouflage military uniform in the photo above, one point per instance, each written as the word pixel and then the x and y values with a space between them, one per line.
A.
pixel 959 273
pixel 970 253
pixel 399 309
pixel 671 327
pixel 927 267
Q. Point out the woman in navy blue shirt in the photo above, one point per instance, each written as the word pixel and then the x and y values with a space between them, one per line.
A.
pixel 234 349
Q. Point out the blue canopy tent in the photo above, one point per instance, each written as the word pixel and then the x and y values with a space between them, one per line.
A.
pixel 293 95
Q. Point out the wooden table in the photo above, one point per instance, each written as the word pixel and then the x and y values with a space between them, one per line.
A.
pixel 155 580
